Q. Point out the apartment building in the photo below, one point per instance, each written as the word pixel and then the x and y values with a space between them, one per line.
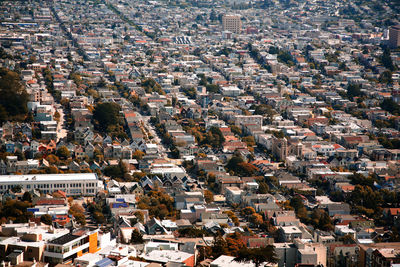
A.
pixel 232 23
pixel 394 36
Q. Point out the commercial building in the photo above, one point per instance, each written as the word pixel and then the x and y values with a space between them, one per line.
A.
pixel 394 36
pixel 232 23
pixel 73 184
pixel 28 238
pixel 68 247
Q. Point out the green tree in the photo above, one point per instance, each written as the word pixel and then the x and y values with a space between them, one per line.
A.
pixel 46 219
pixel 80 219
pixel 14 99
pixel 387 60
pixel 213 138
pixel 77 211
pixel 219 247
pixel 263 188
pixel 240 167
pixel 212 88
pixel 139 216
pixel 27 197
pixel 256 219
pixel 354 90
pixel 192 232
pixel 257 255
pixel 16 211
pixel 99 217
pixel 391 106
pixel 386 77
pixel 136 237
pixel 236 130
pixel 63 152
pixel 208 196
pixel 106 115
pixel 117 171
pixel 249 140
pixel 321 220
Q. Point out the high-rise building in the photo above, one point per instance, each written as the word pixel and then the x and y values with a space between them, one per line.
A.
pixel 394 36
pixel 232 23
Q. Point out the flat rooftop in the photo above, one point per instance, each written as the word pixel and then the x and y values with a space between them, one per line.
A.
pixel 64 239
pixel 48 177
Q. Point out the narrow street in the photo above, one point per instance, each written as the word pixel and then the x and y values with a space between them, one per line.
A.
pixel 61 131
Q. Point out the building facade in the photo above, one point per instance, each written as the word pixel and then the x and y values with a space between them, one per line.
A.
pixel 394 36
pixel 73 184
pixel 232 23
pixel 66 248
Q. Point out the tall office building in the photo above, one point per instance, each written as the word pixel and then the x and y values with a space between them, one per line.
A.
pixel 232 23
pixel 394 36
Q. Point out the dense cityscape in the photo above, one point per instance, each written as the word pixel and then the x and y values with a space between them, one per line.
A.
pixel 188 133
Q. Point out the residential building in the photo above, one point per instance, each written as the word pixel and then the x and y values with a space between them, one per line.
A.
pixel 232 23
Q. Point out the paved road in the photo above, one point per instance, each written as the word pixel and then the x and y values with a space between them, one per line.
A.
pixel 61 131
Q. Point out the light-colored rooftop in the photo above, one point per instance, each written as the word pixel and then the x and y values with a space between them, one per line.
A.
pixel 228 261
pixel 47 177
pixel 165 256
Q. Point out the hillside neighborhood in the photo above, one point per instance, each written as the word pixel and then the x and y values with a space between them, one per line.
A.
pixel 199 133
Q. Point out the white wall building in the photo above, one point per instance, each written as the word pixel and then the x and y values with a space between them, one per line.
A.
pixel 72 183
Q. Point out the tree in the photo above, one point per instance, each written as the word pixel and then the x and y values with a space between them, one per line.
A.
pixel 117 171
pixel 321 220
pixel 386 77
pixel 263 188
pixel 219 247
pixel 63 152
pixel 27 197
pixel 213 137
pixel 46 219
pixel 257 255
pixel 249 140
pixel 234 243
pixel 77 211
pixel 353 90
pixel 158 203
pixel 247 211
pixel 99 217
pixel 136 237
pixel 256 219
pixel 138 154
pixel 106 115
pixel 76 208
pixel 236 130
pixel 14 98
pixel 391 106
pixel 139 216
pixel 53 159
pixel 212 88
pixel 233 217
pixel 359 179
pixel 80 218
pixel 264 109
pixel 208 196
pixel 246 169
pixel 387 60
pixel 16 211
pixel 233 162
pixel 192 232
